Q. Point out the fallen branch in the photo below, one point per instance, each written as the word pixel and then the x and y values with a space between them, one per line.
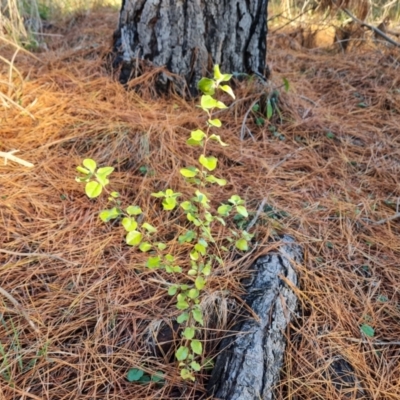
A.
pixel 372 28
pixel 11 157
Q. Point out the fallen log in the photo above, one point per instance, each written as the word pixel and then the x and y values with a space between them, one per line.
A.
pixel 249 364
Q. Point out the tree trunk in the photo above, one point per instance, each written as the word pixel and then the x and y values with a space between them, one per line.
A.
pixel 189 36
pixel 249 364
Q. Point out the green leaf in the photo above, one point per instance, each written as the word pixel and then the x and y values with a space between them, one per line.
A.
pixel 224 209
pixel 217 73
pixel 153 262
pixel 187 375
pixel 194 255
pixel 215 122
pixel 182 318
pixel 213 179
pixel 242 211
pixel 221 105
pixel 242 244
pixel 134 210
pixel 161 246
pixel 226 78
pixel 195 366
pixel 200 248
pixel 206 271
pixel 90 164
pixel 104 171
pixel 197 135
pixel 189 332
pixel 182 353
pixel 158 377
pixel 114 195
pixel 145 246
pixel 200 282
pixel 208 102
pixel 172 290
pixel 236 200
pixel 158 194
pixel 228 89
pixel 197 347
pixel 93 189
pixel 129 224
pixel 169 203
pixel 189 173
pixel 198 316
pixel 206 86
pixel 286 84
pixel 82 170
pixel 133 238
pixel 270 110
pixel 367 330
pixel 182 305
pixel 192 142
pixel 187 237
pixel 134 374
pixel 217 138
pixel 193 294
pixel 208 162
pixel 149 228
pixel 107 215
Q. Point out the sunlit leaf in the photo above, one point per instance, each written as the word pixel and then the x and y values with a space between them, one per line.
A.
pixel 134 210
pixel 208 102
pixel 93 189
pixel 207 86
pixel 90 164
pixel 149 228
pixel 196 346
pixel 200 282
pixel 129 224
pixel 108 215
pixel 228 89
pixel 133 238
pixel 242 211
pixel 197 135
pixel 217 138
pixel 208 162
pixel 242 244
pixel 145 246
pixel 188 173
pixel 215 122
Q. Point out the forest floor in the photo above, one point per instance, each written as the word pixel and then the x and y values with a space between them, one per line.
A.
pixel 326 166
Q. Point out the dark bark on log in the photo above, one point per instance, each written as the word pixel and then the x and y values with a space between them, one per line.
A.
pixel 189 36
pixel 249 366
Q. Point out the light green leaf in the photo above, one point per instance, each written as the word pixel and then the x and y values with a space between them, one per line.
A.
pixel 195 366
pixel 90 164
pixel 196 346
pixel 153 262
pixel 228 89
pixel 193 293
pixel 188 173
pixel 197 135
pixel 192 142
pixel 182 353
pixel 242 244
pixel 158 194
pixel 189 332
pixel 194 255
pixel 208 102
pixel 367 330
pixel 182 305
pixel 198 316
pixel 107 215
pixel 221 105
pixel 187 375
pixel 102 180
pixel 192 272
pixel 213 179
pixel 172 290
pixel 200 248
pixel 286 84
pixel 187 237
pixel 224 210
pixel 242 211
pixel 207 86
pixel 236 200
pixel 93 189
pixel 114 195
pixel 200 282
pixel 82 170
pixel 182 318
pixel 104 171
pixel 145 246
pixel 134 210
pixel 208 162
pixel 149 228
pixel 217 73
pixel 169 203
pixel 133 238
pixel 206 271
pixel 129 224
pixel 161 246
pixel 215 122
pixel 226 78
pixel 217 138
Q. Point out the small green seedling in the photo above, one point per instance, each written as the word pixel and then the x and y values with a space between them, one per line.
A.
pixel 203 251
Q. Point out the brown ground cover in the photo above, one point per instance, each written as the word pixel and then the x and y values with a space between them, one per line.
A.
pixel 327 168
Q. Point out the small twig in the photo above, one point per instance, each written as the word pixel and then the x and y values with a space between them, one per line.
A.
pixel 258 213
pixel 19 307
pixel 382 221
pixel 372 342
pixel 14 253
pixel 372 28
pixel 245 118
pixel 11 157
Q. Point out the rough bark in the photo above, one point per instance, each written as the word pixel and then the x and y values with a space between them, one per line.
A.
pixel 189 36
pixel 249 366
